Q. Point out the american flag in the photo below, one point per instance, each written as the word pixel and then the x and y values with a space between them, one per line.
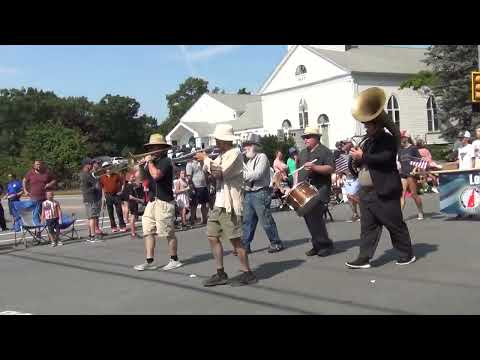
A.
pixel 341 164
pixel 421 164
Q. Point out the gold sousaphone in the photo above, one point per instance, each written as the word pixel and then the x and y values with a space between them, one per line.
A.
pixel 369 106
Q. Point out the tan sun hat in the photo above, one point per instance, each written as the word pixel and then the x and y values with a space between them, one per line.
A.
pixel 157 139
pixel 310 130
pixel 224 132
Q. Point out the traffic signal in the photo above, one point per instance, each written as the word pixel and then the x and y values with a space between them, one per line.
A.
pixel 476 86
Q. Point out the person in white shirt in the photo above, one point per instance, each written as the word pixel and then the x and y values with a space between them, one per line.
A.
pixel 466 153
pixel 476 147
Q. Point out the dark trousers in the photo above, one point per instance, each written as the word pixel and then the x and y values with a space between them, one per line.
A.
pixel 376 212
pixel 113 200
pixel 3 225
pixel 317 228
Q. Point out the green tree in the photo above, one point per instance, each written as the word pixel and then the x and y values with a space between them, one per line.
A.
pixel 243 91
pixel 181 101
pixel 271 143
pixel 61 148
pixel 449 82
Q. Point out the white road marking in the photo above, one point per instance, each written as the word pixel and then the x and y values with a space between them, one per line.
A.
pixel 11 312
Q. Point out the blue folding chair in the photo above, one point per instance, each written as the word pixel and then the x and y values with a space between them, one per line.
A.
pixel 67 228
pixel 25 223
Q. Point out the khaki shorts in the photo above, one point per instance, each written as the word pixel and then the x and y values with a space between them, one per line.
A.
pixel 158 218
pixel 222 224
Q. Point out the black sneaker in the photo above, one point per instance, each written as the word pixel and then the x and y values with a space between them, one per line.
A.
pixel 406 260
pixel 311 252
pixel 359 263
pixel 216 279
pixel 325 252
pixel 275 248
pixel 247 278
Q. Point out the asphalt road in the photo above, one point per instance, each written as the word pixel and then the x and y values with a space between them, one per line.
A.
pixel 81 278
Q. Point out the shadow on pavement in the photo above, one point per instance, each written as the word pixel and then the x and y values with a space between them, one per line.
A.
pixel 420 251
pixel 268 270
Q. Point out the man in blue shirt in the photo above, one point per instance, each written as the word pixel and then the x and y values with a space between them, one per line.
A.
pixel 14 191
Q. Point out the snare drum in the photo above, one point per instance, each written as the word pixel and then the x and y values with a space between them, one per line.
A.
pixel 303 198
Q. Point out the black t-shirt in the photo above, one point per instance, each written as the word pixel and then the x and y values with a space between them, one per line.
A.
pixel 324 157
pixel 162 188
pixel 405 156
pixel 134 190
pixel 87 186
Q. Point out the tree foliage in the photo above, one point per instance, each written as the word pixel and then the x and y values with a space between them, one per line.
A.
pixel 181 101
pixel 39 124
pixel 449 81
pixel 243 91
pixel 271 143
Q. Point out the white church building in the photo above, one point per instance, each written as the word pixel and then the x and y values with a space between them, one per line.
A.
pixel 315 85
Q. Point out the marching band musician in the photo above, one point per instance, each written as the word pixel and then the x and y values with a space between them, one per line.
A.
pixel 225 219
pixel 380 193
pixel 159 214
pixel 258 196
pixel 319 175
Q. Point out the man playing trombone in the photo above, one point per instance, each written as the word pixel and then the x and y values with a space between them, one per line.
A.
pixel 159 215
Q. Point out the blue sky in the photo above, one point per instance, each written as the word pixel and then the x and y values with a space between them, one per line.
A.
pixel 147 73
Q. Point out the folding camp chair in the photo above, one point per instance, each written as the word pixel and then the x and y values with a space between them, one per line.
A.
pixel 67 228
pixel 25 223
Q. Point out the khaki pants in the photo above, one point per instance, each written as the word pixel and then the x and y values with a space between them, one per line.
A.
pixel 158 219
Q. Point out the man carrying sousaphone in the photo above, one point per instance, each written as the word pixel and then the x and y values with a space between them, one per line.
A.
pixel 318 174
pixel 159 214
pixel 380 185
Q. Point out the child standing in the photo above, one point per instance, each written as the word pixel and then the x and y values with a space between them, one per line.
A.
pixel 52 215
pixel 181 196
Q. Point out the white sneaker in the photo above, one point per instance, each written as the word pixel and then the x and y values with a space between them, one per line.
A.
pixel 172 264
pixel 420 217
pixel 60 243
pixel 145 266
pixel 435 190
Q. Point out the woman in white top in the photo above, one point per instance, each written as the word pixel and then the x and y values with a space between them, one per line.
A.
pixel 181 189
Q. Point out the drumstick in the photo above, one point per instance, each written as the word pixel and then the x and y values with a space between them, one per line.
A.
pixel 301 167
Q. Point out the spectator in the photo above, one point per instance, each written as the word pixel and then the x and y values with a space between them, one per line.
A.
pixel 124 196
pixel 466 153
pixel 96 165
pixel 112 186
pixel 14 191
pixel 181 196
pixel 292 163
pixel 136 202
pixel 200 194
pixel 3 224
pixel 89 188
pixel 35 185
pixel 52 216
pixel 279 166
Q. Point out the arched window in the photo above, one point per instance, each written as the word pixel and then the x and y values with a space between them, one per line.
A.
pixel 432 115
pixel 393 110
pixel 301 69
pixel 303 114
pixel 323 122
pixel 286 125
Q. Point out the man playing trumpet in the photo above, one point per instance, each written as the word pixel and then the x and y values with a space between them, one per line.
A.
pixel 159 215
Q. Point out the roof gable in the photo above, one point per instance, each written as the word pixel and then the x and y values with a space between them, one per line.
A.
pixel 237 102
pixel 286 74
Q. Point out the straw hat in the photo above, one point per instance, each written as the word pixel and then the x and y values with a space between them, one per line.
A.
pixel 310 130
pixel 224 132
pixel 157 139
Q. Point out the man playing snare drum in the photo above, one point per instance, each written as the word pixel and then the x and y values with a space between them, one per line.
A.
pixel 318 174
